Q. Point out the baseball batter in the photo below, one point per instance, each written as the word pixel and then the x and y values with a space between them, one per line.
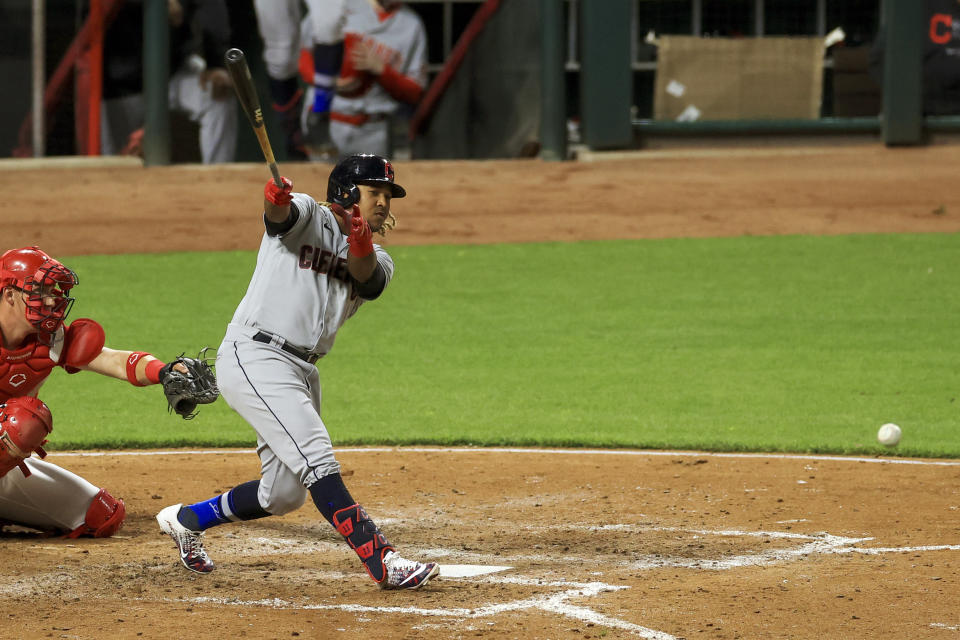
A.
pixel 34 303
pixel 316 266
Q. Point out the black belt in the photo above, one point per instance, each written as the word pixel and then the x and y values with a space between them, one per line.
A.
pixel 277 341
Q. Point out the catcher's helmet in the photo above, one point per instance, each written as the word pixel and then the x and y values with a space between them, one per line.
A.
pixel 40 277
pixel 361 168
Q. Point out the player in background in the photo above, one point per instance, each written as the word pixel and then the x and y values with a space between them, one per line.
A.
pixel 363 60
pixel 279 22
pixel 316 266
pixel 34 303
pixel 198 84
pixel 384 71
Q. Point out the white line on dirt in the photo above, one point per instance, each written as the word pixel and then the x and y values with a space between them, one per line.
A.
pixel 820 543
pixel 879 550
pixel 602 452
pixel 555 603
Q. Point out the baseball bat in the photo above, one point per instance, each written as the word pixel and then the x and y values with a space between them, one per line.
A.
pixel 236 64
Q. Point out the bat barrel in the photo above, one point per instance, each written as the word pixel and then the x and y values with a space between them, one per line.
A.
pixel 236 64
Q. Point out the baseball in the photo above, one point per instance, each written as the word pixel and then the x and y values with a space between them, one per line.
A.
pixel 889 434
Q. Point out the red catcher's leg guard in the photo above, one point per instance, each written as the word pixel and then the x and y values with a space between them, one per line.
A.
pixel 104 517
pixel 362 535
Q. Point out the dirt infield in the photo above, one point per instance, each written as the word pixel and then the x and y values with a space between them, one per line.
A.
pixel 594 545
pixel 92 209
pixel 577 544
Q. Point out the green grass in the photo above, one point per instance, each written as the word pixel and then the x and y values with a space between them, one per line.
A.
pixel 793 343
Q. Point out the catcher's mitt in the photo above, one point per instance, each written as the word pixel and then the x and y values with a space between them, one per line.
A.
pixel 184 391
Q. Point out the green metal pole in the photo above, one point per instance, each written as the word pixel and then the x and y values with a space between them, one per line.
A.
pixel 553 98
pixel 903 72
pixel 606 77
pixel 156 76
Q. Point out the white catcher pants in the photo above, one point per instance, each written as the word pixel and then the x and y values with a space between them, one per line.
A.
pixel 51 498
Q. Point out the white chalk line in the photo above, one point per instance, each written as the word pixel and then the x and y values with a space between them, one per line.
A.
pixel 554 603
pixel 558 603
pixel 813 543
pixel 601 452
pixel 819 543
pixel 948 627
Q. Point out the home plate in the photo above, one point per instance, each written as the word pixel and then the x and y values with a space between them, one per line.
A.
pixel 468 570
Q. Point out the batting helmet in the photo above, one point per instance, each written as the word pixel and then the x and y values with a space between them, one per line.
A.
pixel 361 168
pixel 41 277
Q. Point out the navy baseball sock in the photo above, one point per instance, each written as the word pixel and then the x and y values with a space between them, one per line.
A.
pixel 327 59
pixel 240 503
pixel 330 495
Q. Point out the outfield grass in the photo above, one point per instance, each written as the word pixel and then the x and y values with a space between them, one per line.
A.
pixel 791 343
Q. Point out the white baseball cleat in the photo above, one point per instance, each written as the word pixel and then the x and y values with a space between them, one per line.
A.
pixel 190 543
pixel 407 574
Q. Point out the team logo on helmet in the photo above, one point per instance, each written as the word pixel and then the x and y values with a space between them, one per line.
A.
pixel 361 168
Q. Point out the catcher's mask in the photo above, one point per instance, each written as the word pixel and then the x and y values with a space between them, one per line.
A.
pixel 23 410
pixel 47 283
pixel 361 168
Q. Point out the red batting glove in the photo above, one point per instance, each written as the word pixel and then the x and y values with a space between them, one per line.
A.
pixel 277 195
pixel 360 238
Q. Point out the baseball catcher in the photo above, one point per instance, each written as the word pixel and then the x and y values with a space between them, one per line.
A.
pixel 36 296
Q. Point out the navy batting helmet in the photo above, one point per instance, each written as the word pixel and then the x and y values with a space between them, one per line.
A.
pixel 361 168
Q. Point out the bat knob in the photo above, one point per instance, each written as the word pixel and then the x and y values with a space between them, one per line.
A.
pixel 233 55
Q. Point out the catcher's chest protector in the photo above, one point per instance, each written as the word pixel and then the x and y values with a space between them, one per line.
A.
pixel 23 369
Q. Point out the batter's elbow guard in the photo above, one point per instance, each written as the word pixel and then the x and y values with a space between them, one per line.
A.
pixel 104 517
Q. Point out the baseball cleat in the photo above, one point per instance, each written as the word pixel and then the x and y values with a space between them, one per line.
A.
pixel 190 543
pixel 407 574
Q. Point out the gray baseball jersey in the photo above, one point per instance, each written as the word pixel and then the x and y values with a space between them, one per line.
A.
pixel 300 294
pixel 300 289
